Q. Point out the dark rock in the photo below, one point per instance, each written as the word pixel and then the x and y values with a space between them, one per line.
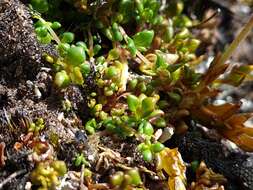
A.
pixel 19 49
pixel 236 167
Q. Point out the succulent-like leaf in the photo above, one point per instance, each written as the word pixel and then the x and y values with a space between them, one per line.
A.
pixel 143 40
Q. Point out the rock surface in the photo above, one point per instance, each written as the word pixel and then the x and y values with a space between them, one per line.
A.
pixel 18 43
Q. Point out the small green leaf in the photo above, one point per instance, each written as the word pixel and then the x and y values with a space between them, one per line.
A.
pixel 175 8
pixel 141 147
pixel 148 105
pixel 133 83
pixel 39 23
pixel 85 69
pixel 169 33
pixel 41 31
pixel 140 6
pixel 111 72
pixel 41 6
pixel 133 102
pixel 126 8
pixel 67 37
pixel 110 127
pixel 87 173
pixel 90 130
pixel 160 122
pixel 113 54
pixel 80 159
pixel 147 14
pixel 131 47
pixel 143 40
pixel 76 55
pixel 175 97
pixel 174 67
pixel 116 34
pixel 146 128
pixel 60 167
pixel 91 125
pixel 182 21
pixel 237 75
pixel 117 178
pixel 183 34
pixel 192 45
pixel 83 45
pixel 56 25
pixel 142 87
pixel 61 79
pixel 176 75
pixel 161 63
pixel 108 33
pixel 135 177
pixel 76 76
pixel 63 48
pixel 157 147
pixel 96 49
pixel 155 113
pixel 45 40
pixel 147 155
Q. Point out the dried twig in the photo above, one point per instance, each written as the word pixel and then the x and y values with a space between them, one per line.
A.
pixel 81 185
pixel 2 157
pixel 12 176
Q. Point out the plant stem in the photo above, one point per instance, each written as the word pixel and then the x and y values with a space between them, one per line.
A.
pixel 138 53
pixel 12 176
pixel 242 35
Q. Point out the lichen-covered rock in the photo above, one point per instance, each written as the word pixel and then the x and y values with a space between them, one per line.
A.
pixel 19 49
pixel 236 167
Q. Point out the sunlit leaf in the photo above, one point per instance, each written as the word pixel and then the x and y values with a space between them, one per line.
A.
pixel 170 161
pixel 239 133
pixel 143 40
pixel 224 111
pixel 237 75
pixel 227 122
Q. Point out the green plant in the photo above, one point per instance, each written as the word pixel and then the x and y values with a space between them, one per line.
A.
pixel 125 180
pixel 143 107
pixel 41 6
pixel 148 150
pixel 37 126
pixel 46 175
pixel 91 126
pixel 80 160
pixel 140 58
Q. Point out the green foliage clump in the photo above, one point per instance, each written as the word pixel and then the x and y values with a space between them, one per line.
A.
pixel 37 126
pixel 126 180
pixel 46 175
pixel 140 56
